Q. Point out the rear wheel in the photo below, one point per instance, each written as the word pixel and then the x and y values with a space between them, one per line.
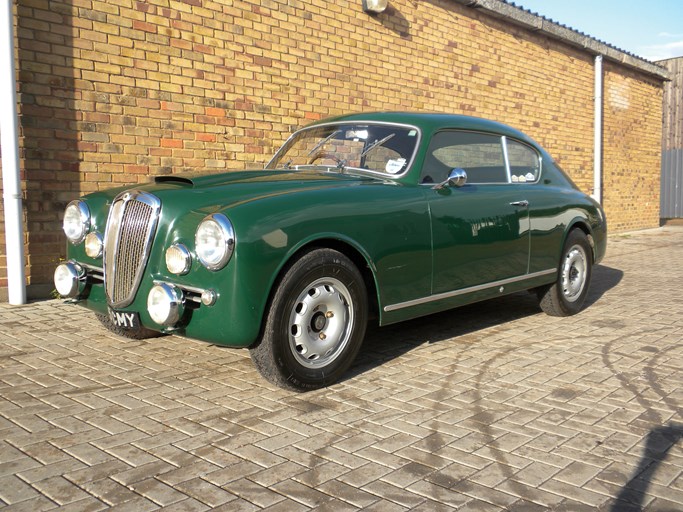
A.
pixel 568 294
pixel 316 322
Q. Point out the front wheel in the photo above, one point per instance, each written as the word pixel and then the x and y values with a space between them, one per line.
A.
pixel 316 322
pixel 566 296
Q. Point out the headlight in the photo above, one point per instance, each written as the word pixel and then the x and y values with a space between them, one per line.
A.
pixel 76 221
pixel 165 304
pixel 215 241
pixel 93 245
pixel 178 259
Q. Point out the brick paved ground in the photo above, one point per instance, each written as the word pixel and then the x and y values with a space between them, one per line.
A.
pixel 489 407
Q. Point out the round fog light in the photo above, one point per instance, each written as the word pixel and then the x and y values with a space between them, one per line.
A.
pixel 165 304
pixel 178 259
pixel 93 245
pixel 69 280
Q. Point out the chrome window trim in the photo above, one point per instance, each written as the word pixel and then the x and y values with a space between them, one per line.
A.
pixel 538 156
pixel 409 165
pixel 506 158
pixel 508 171
pixel 471 289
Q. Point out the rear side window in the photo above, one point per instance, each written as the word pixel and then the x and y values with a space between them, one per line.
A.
pixel 482 156
pixel 525 163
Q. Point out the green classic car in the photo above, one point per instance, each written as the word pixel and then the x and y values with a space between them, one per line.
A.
pixel 384 215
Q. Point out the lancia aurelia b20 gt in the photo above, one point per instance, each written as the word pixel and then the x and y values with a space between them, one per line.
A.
pixel 389 215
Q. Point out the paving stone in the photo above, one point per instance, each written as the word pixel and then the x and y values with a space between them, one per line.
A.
pixel 439 494
pixel 12 467
pixel 382 505
pixel 85 505
pixel 109 491
pixel 50 470
pixel 187 505
pixel 222 477
pixel 335 505
pixel 39 503
pixel 174 477
pixel 491 407
pixel 344 492
pixel 96 472
pixel 577 473
pixel 287 505
pixel 14 490
pixel 205 492
pixel 257 494
pixel 321 473
pixel 60 490
pixel 300 493
pixel 157 491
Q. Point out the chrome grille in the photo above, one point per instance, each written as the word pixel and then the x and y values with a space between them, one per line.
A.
pixel 130 230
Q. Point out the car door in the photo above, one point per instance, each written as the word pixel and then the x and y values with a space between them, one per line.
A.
pixel 480 231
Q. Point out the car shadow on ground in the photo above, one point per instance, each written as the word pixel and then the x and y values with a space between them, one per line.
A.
pixel 384 344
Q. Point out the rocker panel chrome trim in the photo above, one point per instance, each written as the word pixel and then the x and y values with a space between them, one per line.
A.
pixel 472 289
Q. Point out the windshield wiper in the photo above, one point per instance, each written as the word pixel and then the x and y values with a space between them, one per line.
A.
pixel 375 144
pixel 315 148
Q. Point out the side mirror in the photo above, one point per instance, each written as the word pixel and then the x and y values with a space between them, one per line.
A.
pixel 456 178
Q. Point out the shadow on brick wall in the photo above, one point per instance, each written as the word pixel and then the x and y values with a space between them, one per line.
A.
pixel 49 134
pixel 392 19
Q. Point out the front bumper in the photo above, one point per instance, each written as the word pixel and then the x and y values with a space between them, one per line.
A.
pixel 165 306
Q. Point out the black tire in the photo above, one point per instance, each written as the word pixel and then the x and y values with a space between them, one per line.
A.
pixel 315 324
pixel 567 295
pixel 141 333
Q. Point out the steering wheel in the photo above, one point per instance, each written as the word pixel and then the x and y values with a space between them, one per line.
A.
pixel 331 156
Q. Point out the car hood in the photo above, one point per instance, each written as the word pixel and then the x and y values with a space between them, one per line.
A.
pixel 214 192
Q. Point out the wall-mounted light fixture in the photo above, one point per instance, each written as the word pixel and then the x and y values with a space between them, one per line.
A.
pixel 374 6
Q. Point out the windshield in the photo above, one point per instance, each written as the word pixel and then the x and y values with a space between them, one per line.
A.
pixel 381 148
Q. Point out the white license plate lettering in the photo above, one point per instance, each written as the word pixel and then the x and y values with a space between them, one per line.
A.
pixel 124 319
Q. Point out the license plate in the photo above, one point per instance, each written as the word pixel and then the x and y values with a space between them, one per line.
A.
pixel 125 319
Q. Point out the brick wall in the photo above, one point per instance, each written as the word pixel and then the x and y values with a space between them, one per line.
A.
pixel 112 92
pixel 632 149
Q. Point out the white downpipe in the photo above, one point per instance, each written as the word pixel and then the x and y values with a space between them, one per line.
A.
pixel 597 139
pixel 11 180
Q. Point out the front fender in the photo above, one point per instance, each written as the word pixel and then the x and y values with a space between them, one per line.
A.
pixel 387 226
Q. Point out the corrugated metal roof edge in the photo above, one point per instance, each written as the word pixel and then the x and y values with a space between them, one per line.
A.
pixel 537 23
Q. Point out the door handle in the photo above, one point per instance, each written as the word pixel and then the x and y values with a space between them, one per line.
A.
pixel 524 203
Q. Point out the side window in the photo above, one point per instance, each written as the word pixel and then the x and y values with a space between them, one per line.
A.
pixel 480 155
pixel 525 163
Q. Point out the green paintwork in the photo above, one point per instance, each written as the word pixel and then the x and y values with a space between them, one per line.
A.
pixel 411 240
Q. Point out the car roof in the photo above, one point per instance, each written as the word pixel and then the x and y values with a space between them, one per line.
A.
pixel 430 122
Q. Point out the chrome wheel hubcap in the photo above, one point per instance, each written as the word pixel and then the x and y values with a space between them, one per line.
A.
pixel 574 273
pixel 321 322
